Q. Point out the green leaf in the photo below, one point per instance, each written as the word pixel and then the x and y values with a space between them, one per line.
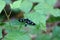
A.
pixel 53 19
pixel 2 5
pixel 43 8
pixel 29 29
pixel 7 2
pixel 55 12
pixel 13 25
pixel 26 6
pixel 51 2
pixel 17 36
pixel 2 23
pixel 16 5
pixel 43 37
pixel 56 38
pixel 56 31
pixel 36 1
pixel 37 18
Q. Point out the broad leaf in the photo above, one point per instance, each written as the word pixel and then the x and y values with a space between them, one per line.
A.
pixel 51 2
pixel 17 36
pixel 53 19
pixel 37 18
pixel 16 5
pixel 56 38
pixel 43 37
pixel 36 1
pixel 56 31
pixel 55 12
pixel 2 5
pixel 8 2
pixel 13 25
pixel 26 6
pixel 43 8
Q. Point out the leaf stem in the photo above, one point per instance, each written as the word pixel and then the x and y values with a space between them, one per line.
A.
pixel 8 17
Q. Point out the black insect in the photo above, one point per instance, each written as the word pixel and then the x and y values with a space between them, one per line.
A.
pixel 27 21
pixel 21 20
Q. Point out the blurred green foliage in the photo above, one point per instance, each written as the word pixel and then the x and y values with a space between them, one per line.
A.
pixel 17 31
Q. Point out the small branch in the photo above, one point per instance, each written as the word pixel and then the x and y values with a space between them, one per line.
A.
pixel 9 13
pixel 5 12
pixel 8 17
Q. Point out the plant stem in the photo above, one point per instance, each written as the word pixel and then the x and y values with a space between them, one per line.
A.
pixel 8 17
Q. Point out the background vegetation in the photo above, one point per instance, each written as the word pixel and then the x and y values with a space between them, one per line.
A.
pixel 44 13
